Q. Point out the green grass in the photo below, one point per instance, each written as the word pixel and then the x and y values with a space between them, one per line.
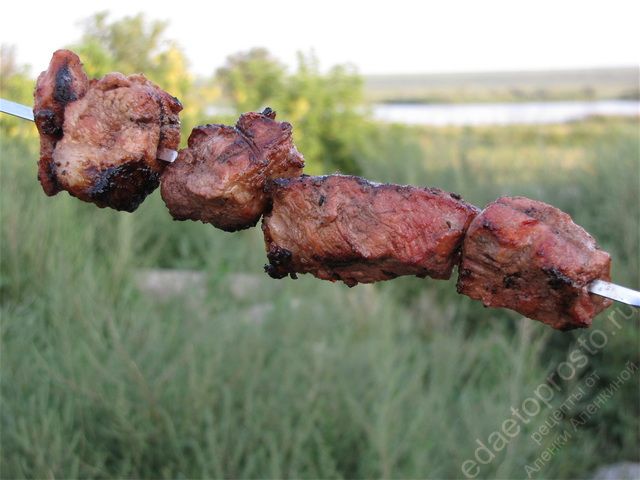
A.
pixel 394 381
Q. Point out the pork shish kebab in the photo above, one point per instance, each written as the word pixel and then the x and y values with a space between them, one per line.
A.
pixel 100 139
pixel 541 265
pixel 527 256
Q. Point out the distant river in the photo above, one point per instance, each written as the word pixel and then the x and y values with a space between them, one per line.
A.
pixel 502 113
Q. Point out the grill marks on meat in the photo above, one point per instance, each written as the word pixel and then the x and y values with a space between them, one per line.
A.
pixel 345 228
pixel 105 149
pixel 220 177
pixel 530 257
pixel 63 82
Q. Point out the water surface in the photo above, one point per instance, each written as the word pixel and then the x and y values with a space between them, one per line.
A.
pixel 502 113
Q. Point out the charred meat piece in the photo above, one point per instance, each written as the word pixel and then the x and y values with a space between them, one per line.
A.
pixel 111 136
pixel 62 83
pixel 345 228
pixel 530 257
pixel 220 177
pixel 105 150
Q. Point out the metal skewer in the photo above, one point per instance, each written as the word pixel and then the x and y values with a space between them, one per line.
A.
pixel 615 292
pixel 16 109
pixel 26 113
pixel 598 287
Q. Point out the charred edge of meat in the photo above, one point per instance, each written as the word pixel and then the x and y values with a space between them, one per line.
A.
pixel 557 279
pixel 464 274
pixel 569 327
pixel 269 113
pixel 568 294
pixel 124 187
pixel 511 280
pixel 47 176
pixel 367 185
pixel 279 263
pixel 268 206
pixel 175 105
pixel 166 117
pixel 347 262
pixel 48 124
pixel 273 184
pixel 488 225
pixel 233 228
pixel 63 92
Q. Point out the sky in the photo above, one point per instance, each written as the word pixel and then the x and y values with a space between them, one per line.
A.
pixel 378 37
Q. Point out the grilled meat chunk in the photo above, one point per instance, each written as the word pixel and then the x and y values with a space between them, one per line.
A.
pixel 345 228
pixel 220 177
pixel 530 257
pixel 105 150
pixel 62 83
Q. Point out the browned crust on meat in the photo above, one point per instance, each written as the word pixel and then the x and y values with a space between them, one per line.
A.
pixel 530 257
pixel 170 108
pixel 111 136
pixel 220 177
pixel 62 83
pixel 345 228
pixel 99 139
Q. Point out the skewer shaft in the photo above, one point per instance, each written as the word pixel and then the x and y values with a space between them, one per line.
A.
pixel 615 292
pixel 26 113
pixel 16 109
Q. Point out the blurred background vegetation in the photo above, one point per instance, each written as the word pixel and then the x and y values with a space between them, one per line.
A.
pixel 517 86
pixel 250 377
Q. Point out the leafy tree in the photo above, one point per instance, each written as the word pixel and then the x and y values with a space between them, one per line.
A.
pixel 130 45
pixel 135 45
pixel 251 79
pixel 327 111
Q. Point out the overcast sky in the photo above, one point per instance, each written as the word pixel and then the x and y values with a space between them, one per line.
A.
pixel 377 36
